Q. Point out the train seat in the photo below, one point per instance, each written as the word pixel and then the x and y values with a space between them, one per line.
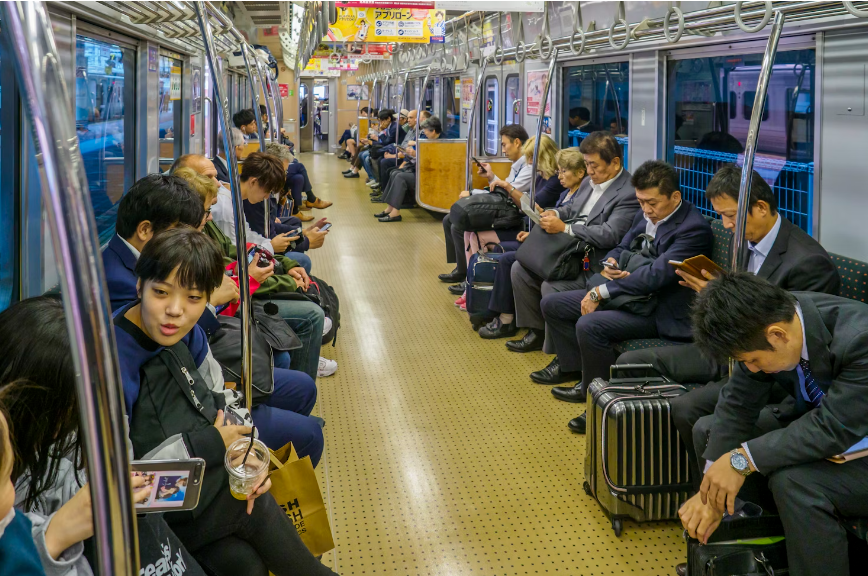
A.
pixel 854 277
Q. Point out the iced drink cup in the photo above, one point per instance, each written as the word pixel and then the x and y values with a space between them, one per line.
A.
pixel 244 479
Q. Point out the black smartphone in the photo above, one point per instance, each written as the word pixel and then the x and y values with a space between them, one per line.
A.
pixel 326 227
pixel 175 484
pixel 609 265
pixel 478 163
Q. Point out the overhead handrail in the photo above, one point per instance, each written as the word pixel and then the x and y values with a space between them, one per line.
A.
pixel 578 28
pixel 471 122
pixel 620 18
pixel 519 45
pixel 855 11
pixel 667 19
pixel 238 203
pixel 66 199
pixel 497 55
pixel 740 253
pixel 544 37
pixel 540 125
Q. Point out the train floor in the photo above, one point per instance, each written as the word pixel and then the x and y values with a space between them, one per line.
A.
pixel 442 457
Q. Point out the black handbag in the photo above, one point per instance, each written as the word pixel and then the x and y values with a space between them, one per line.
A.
pixel 641 253
pixel 730 551
pixel 555 256
pixel 492 211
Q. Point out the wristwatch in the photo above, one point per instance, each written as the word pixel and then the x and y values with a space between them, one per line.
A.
pixel 594 295
pixel 739 462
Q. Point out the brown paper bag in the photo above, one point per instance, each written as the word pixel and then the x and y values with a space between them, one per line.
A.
pixel 294 487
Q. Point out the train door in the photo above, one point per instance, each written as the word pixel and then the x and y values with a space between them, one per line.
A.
pixel 320 115
pixel 500 104
pixel 451 106
pixel 305 110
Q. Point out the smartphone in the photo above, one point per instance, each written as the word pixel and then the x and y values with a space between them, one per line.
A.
pixel 175 484
pixel 609 265
pixel 478 163
pixel 326 227
pixel 265 259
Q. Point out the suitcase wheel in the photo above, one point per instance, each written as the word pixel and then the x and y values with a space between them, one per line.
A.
pixel 617 526
pixel 587 488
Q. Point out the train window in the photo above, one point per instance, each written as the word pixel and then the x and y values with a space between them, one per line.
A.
pixel 303 105
pixel 409 95
pixel 170 113
pixel 512 103
pixel 596 97
pixel 104 100
pixel 9 203
pixel 451 107
pixel 491 142
pixel 710 105
pixel 429 96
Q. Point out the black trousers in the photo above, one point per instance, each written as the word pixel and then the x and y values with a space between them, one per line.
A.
pixel 684 364
pixel 224 537
pixel 809 497
pixel 502 298
pixel 587 343
pixel 387 165
pixel 454 246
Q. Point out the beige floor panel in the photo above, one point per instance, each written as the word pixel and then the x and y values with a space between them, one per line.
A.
pixel 442 457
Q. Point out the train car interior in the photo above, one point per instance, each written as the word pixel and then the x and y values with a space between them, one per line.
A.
pixel 610 315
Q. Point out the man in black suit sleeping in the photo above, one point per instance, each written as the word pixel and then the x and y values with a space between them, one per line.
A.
pixel 815 347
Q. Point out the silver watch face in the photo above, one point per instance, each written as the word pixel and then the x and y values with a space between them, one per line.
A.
pixel 739 462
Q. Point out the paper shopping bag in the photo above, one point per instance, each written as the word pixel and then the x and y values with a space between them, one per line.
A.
pixel 294 486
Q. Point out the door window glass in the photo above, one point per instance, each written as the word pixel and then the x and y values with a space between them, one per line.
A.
pixel 492 140
pixel 303 105
pixel 451 107
pixel 512 104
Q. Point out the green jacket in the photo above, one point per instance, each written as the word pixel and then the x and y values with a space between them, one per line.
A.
pixel 277 283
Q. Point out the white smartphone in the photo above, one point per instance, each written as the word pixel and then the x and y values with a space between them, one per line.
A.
pixel 175 484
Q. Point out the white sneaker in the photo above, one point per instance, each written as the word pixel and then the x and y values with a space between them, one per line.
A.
pixel 326 367
pixel 326 325
pixel 370 183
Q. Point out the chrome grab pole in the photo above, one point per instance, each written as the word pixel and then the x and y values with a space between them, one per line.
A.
pixel 398 127
pixel 739 256
pixel 419 104
pixel 370 108
pixel 238 202
pixel 254 91
pixel 273 124
pixel 539 126
pixel 66 198
pixel 470 120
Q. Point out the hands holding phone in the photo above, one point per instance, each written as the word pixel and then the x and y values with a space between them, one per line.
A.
pixel 612 271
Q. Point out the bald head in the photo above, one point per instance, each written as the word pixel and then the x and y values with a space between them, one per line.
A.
pixel 199 163
pixel 412 115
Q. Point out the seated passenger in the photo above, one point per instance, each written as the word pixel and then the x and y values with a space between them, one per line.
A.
pixel 401 190
pixel 781 253
pixel 599 211
pixel 374 140
pixel 245 120
pixel 585 325
pixel 814 346
pixel 236 139
pixel 393 157
pixel 580 119
pixel 568 168
pixel 512 139
pixel 176 272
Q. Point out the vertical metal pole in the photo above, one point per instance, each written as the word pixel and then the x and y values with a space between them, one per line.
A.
pixel 238 202
pixel 419 105
pixel 740 252
pixel 540 124
pixel 254 92
pixel 66 200
pixel 470 123
pixel 398 127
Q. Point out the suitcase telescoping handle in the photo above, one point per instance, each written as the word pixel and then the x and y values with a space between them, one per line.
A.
pixel 653 489
pixel 648 368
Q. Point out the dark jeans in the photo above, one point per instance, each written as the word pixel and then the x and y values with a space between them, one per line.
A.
pixel 227 541
pixel 387 165
pixel 454 246
pixel 587 343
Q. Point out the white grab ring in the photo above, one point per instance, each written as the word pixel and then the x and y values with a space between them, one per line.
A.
pixel 497 56
pixel 765 19
pixel 521 51
pixel 667 20
pixel 551 47
pixel 855 11
pixel 626 34
pixel 577 51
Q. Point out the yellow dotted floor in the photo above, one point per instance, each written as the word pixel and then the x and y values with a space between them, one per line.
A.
pixel 442 457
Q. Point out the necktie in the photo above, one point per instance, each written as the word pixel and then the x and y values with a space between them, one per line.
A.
pixel 815 395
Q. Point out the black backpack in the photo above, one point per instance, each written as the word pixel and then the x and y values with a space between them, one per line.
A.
pixel 479 212
pixel 324 296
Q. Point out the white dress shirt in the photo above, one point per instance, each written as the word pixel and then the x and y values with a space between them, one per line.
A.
pixel 520 176
pixel 597 191
pixel 760 250
pixel 223 215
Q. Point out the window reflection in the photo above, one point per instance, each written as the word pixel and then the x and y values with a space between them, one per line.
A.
pixel 99 123
pixel 512 105
pixel 492 140
pixel 451 107
pixel 709 118
pixel 170 94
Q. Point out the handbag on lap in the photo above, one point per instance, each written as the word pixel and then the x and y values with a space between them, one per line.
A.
pixel 492 211
pixel 555 257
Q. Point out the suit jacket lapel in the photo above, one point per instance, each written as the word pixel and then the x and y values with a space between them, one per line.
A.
pixel 610 193
pixel 819 339
pixel 779 247
pixel 671 225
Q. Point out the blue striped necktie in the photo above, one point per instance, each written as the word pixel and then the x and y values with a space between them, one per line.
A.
pixel 815 394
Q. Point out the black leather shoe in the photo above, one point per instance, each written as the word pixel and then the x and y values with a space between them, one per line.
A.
pixel 530 342
pixel 381 214
pixel 573 394
pixel 552 374
pixel 377 199
pixel 579 424
pixel 458 289
pixel 350 171
pixel 390 218
pixel 681 569
pixel 497 329
pixel 351 175
pixel 453 276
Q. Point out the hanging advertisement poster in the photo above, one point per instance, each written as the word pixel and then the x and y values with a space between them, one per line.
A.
pixel 284 90
pixel 358 92
pixel 536 82
pixel 466 93
pixel 384 24
pixel 175 83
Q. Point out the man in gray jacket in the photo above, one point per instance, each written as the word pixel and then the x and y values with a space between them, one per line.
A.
pixel 600 213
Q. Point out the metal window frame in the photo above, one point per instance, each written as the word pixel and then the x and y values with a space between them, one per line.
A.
pixel 483 120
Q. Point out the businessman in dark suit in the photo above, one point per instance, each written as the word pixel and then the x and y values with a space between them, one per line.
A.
pixel 781 253
pixel 600 213
pixel 583 325
pixel 814 346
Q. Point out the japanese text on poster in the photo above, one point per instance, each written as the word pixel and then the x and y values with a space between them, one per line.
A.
pixel 389 25
pixel 467 93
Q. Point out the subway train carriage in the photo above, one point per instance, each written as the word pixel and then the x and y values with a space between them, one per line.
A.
pixel 609 315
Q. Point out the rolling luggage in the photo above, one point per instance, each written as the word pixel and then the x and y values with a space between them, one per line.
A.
pixel 635 464
pixel 480 282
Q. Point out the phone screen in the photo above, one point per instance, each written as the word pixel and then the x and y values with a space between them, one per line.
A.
pixel 326 227
pixel 168 488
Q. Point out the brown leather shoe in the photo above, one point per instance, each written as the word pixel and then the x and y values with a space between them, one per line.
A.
pixel 304 206
pixel 304 217
pixel 320 204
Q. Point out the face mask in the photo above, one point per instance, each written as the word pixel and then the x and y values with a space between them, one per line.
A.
pixel 6 521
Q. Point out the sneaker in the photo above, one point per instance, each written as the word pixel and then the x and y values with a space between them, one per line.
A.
pixel 461 301
pixel 326 367
pixel 326 325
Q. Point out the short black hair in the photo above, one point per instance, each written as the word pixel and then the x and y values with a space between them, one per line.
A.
pixel 163 201
pixel 433 123
pixel 514 132
pixel 581 112
pixel 604 144
pixel 730 315
pixel 727 182
pixel 197 258
pixel 243 117
pixel 365 109
pixel 656 174
pixel 384 114
pixel 267 169
pixel 262 109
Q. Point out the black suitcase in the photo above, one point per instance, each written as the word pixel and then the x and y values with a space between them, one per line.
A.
pixel 635 464
pixel 741 547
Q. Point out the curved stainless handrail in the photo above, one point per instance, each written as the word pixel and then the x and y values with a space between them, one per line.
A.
pixel 539 126
pixel 470 124
pixel 66 199
pixel 238 203
pixel 259 129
